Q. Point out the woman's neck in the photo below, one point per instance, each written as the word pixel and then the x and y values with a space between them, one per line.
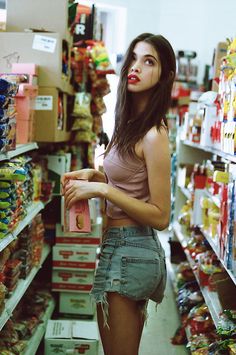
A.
pixel 140 101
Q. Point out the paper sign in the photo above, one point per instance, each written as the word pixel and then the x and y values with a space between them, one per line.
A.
pixel 44 103
pixel 44 43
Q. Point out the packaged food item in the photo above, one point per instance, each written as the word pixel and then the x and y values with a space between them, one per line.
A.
pixel 7 87
pixel 77 218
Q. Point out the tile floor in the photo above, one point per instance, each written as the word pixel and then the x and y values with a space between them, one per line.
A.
pixel 162 324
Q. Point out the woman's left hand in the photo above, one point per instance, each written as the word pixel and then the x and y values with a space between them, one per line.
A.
pixel 81 190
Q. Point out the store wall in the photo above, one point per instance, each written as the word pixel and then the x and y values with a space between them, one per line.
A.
pixel 189 24
pixel 140 17
pixel 198 25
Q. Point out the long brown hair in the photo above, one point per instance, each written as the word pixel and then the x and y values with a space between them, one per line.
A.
pixel 128 132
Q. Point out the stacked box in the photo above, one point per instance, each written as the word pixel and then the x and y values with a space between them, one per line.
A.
pixel 71 337
pixel 74 264
pixel 51 115
pixel 42 48
pixel 18 19
pixel 51 53
pixel 25 119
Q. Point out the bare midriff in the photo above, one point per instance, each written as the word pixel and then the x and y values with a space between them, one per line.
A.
pixel 122 222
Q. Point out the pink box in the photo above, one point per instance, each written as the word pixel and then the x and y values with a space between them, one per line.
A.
pixel 27 90
pixel 77 218
pixel 24 131
pixel 25 68
pixel 24 105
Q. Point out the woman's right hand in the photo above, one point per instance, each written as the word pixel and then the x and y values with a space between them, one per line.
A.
pixel 83 174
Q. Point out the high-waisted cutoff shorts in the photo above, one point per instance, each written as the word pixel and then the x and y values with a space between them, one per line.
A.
pixel 132 263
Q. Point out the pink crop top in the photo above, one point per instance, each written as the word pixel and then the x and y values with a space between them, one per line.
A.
pixel 128 175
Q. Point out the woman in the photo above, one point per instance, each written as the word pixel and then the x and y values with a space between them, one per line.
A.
pixel 136 186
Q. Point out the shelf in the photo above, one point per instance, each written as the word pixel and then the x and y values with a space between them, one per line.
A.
pixel 215 199
pixel 32 211
pixel 20 149
pixel 215 248
pixel 211 150
pixel 185 192
pixel 21 288
pixel 35 340
pixel 211 298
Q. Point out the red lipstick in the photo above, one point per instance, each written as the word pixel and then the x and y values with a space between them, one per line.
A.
pixel 133 79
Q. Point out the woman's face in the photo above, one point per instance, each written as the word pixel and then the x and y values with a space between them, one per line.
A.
pixel 145 68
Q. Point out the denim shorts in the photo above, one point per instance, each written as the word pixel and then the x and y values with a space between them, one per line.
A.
pixel 132 263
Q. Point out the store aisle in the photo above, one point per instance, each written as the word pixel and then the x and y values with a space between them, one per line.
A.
pixel 162 323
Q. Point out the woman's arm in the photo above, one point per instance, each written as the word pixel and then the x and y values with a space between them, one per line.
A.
pixel 156 211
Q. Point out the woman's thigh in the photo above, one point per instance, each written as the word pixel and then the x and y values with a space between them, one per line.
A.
pixel 125 323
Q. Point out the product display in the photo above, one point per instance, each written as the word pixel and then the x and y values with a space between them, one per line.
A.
pixel 53 87
pixel 205 218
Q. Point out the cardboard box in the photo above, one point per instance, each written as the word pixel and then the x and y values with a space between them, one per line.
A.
pixel 92 238
pixel 51 115
pixel 208 120
pixel 76 303
pixel 74 257
pixel 47 13
pixel 72 281
pixel 71 337
pixel 43 49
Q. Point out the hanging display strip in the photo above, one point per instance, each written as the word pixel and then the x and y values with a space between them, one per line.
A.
pixel 21 288
pixel 20 149
pixel 32 211
pixel 35 340
pixel 220 153
pixel 210 297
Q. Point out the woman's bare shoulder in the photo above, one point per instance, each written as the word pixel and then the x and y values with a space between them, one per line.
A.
pixel 155 135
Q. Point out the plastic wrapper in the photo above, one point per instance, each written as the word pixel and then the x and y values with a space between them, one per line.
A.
pixel 12 173
pixel 82 105
pixel 227 324
pixel 8 88
pixel 13 267
pixel 4 100
pixel 201 341
pixel 3 291
pixel 100 58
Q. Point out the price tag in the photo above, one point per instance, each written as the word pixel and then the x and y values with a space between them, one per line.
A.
pixel 44 43
pixel 44 103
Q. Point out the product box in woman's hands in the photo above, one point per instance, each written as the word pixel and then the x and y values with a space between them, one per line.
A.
pixel 77 218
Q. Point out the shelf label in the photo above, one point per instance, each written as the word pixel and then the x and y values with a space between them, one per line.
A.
pixel 44 103
pixel 44 43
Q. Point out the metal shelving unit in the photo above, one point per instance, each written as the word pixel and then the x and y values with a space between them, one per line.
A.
pixel 32 211
pixel 22 286
pixel 216 251
pixel 20 149
pixel 40 331
pixel 211 150
pixel 211 298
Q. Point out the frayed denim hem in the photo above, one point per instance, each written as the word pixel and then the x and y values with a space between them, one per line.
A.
pixel 102 300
